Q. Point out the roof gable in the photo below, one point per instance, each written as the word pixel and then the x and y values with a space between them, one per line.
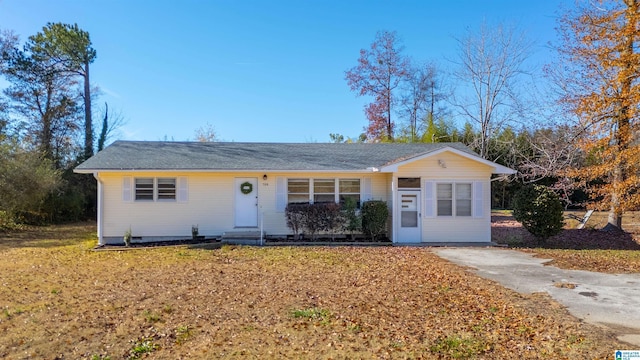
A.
pixel 496 168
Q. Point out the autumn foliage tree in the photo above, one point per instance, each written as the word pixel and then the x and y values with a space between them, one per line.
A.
pixel 379 73
pixel 599 51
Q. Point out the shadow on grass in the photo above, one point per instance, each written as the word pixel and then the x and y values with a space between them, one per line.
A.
pixel 49 236
pixel 584 239
pixel 505 230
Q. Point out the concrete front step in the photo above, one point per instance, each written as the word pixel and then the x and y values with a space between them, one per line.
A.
pixel 241 235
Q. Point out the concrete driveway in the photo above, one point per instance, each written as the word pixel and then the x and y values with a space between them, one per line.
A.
pixel 604 299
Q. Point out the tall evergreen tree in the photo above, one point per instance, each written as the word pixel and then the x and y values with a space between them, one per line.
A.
pixel 71 48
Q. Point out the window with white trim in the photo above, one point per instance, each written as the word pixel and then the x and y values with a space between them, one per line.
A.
pixel 445 195
pixel 298 190
pixel 322 190
pixel 349 188
pixel 463 199
pixel 144 189
pixel 453 198
pixel 155 189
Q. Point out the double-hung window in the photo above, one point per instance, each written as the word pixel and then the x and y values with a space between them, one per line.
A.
pixel 445 196
pixel 154 189
pixel 298 190
pixel 463 199
pixel 454 198
pixel 323 190
pixel 349 188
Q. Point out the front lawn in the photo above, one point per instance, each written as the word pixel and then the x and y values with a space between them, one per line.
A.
pixel 60 299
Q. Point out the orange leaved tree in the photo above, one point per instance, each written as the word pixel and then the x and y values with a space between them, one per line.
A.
pixel 599 73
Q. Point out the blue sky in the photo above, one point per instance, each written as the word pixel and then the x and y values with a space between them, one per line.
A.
pixel 259 70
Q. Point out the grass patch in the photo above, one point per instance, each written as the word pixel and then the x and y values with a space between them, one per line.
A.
pixel 141 347
pixel 281 302
pixel 313 313
pixel 183 333
pixel 151 316
pixel 460 346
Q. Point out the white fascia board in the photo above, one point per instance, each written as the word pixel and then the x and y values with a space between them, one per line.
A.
pixel 496 168
pixel 93 171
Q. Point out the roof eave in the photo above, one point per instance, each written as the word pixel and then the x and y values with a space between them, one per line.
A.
pixel 92 171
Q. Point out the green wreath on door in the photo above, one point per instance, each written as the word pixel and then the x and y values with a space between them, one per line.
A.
pixel 246 187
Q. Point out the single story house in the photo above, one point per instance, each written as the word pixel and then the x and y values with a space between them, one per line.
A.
pixel 435 192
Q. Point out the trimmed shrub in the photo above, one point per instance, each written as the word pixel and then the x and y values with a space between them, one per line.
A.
pixel 374 218
pixel 311 219
pixel 331 218
pixel 296 218
pixel 351 216
pixel 539 210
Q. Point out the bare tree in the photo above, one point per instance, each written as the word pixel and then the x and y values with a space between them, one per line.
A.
pixel 206 133
pixel 490 63
pixel 422 91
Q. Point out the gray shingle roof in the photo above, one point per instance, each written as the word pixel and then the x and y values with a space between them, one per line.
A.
pixel 238 156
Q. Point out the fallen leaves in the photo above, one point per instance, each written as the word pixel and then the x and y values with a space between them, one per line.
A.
pixel 585 249
pixel 282 302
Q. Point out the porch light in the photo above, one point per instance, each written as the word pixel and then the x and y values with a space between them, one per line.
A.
pixel 264 177
pixel 442 163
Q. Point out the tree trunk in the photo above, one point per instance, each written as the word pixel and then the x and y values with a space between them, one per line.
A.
pixel 623 134
pixel 614 221
pixel 88 123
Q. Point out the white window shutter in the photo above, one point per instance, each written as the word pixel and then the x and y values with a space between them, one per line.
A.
pixel 281 193
pixel 183 189
pixel 367 191
pixel 428 199
pixel 478 199
pixel 126 189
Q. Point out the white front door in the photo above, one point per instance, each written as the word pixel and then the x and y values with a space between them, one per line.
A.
pixel 408 217
pixel 246 211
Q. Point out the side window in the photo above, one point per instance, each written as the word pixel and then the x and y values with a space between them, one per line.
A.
pixel 166 188
pixel 144 189
pixel 463 199
pixel 298 190
pixel 349 188
pixel 324 190
pixel 445 199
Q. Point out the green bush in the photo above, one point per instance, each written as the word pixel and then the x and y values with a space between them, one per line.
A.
pixel 311 219
pixel 539 210
pixel 374 218
pixel 351 216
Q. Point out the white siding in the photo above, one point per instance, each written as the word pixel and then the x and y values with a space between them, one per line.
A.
pixel 209 203
pixel 456 169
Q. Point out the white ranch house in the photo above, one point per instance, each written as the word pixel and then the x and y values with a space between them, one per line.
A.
pixel 435 192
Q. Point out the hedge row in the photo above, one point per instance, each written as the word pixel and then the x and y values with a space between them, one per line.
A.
pixel 332 218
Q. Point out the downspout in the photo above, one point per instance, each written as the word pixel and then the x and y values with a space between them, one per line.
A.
pixel 394 208
pixel 99 209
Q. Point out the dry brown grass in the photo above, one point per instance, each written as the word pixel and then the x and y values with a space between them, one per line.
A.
pixel 586 249
pixel 59 299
